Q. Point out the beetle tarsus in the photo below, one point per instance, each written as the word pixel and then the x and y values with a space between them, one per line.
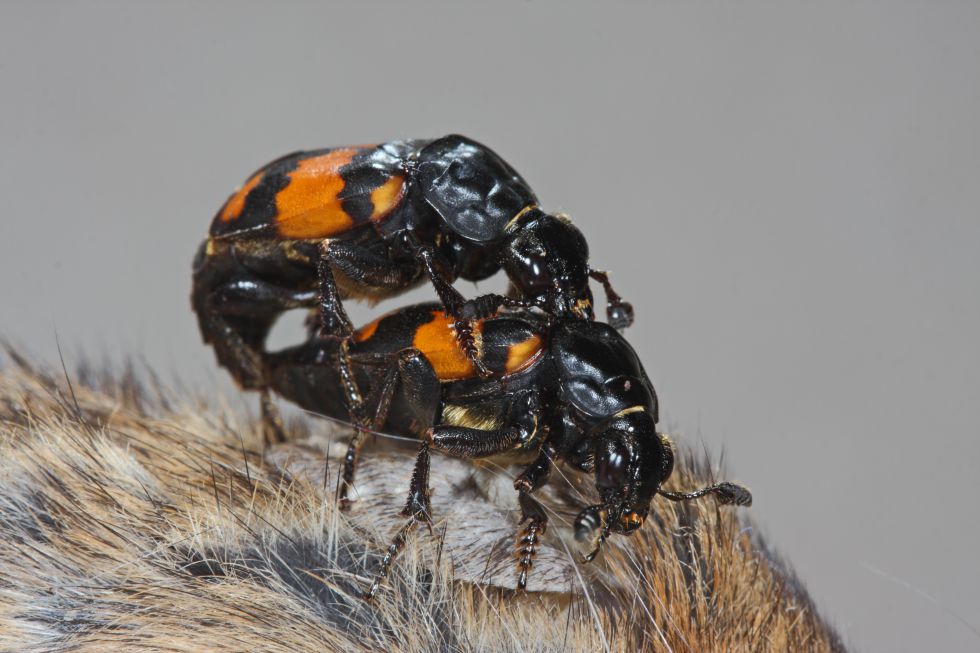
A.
pixel 535 523
pixel 467 342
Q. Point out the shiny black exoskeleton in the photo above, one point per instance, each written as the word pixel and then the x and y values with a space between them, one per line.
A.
pixel 371 221
pixel 559 390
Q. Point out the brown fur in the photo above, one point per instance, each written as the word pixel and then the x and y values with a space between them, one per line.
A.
pixel 140 520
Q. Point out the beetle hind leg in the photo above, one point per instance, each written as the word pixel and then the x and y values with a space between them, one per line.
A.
pixel 533 517
pixel 417 509
pixel 355 404
pixel 407 368
pixel 535 523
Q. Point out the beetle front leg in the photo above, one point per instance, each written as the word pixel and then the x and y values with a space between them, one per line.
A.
pixel 619 313
pixel 537 472
pixel 453 302
pixel 465 442
pixel 592 523
pixel 487 305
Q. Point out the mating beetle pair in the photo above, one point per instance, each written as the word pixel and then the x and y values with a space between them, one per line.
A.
pixel 368 222
pixel 538 379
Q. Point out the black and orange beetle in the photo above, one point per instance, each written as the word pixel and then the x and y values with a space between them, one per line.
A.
pixel 371 221
pixel 563 390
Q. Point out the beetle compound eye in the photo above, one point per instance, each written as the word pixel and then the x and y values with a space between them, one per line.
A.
pixel 612 467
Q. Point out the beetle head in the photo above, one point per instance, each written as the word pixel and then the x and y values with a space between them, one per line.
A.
pixel 630 462
pixel 547 260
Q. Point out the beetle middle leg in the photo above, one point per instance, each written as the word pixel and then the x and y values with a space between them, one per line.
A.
pixel 466 442
pixel 451 299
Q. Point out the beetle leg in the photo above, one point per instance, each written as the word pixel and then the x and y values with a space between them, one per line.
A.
pixel 453 302
pixel 350 466
pixel 467 442
pixel 535 523
pixel 417 508
pixel 533 517
pixel 371 269
pixel 333 317
pixel 592 523
pixel 370 275
pixel 420 385
pixel 235 317
pixel 355 403
pixel 536 474
pixel 619 313
pixel 487 305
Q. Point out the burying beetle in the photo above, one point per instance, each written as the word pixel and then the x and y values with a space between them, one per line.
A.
pixel 368 222
pixel 559 390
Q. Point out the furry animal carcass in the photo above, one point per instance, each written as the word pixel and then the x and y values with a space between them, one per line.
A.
pixel 132 519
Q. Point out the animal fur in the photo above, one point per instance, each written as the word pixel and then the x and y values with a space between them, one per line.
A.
pixel 133 519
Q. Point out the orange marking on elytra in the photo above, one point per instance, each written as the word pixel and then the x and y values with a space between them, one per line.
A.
pixel 437 342
pixel 387 196
pixel 309 207
pixel 522 354
pixel 233 207
pixel 366 331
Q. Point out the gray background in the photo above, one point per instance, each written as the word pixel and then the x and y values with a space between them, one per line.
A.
pixel 787 192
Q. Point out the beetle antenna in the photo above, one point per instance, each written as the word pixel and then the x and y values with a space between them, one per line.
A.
pixel 727 493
